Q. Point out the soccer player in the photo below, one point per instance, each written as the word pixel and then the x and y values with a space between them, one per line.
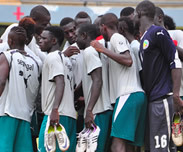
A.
pixel 177 37
pixel 18 89
pixel 72 51
pixel 125 90
pixel 98 110
pixel 57 88
pixel 161 75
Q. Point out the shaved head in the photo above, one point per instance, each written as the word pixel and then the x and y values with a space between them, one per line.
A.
pixel 110 20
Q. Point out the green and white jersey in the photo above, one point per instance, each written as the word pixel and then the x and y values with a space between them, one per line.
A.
pixel 17 99
pixel 122 79
pixel 57 64
pixel 91 62
pixel 178 36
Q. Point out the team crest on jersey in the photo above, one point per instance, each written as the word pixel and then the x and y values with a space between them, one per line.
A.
pixel 145 44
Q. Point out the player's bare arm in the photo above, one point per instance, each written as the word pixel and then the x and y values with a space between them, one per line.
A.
pixel 4 72
pixel 59 91
pixel 176 78
pixel 122 58
pixel 96 76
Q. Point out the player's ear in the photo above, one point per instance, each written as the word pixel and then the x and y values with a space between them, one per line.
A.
pixel 104 27
pixel 54 40
pixel 84 35
pixel 10 42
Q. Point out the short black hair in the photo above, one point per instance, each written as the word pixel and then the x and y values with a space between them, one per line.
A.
pixel 57 32
pixel 159 11
pixel 20 35
pixel 129 24
pixel 110 20
pixel 146 8
pixel 168 22
pixel 38 11
pixel 66 21
pixel 82 14
pixel 127 11
pixel 90 29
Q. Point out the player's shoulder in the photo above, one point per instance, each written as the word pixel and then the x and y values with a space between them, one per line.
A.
pixel 52 56
pixel 117 36
pixel 158 30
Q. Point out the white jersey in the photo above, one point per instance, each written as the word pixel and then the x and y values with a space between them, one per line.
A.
pixel 17 99
pixel 55 65
pixel 66 45
pixel 178 36
pixel 77 63
pixel 134 48
pixel 123 79
pixel 91 62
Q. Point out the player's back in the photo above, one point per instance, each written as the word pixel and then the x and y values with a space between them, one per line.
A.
pixel 22 86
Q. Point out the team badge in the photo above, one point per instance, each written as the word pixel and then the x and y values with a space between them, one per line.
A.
pixel 145 44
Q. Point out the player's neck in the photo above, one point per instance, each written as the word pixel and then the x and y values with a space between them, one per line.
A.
pixel 54 48
pixel 129 37
pixel 145 25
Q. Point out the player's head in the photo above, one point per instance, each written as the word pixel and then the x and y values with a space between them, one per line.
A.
pixel 145 8
pixel 41 16
pixel 144 13
pixel 17 37
pixel 169 23
pixel 159 17
pixel 68 25
pixel 50 37
pixel 108 21
pixel 128 12
pixel 85 34
pixel 29 25
pixel 97 22
pixel 82 18
pixel 126 25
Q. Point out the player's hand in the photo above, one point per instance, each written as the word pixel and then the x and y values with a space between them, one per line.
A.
pixel 89 119
pixel 98 46
pixel 178 104
pixel 54 117
pixel 71 50
pixel 80 103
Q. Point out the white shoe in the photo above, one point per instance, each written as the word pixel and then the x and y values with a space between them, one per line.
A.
pixel 62 138
pixel 49 138
pixel 177 134
pixel 82 139
pixel 92 139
